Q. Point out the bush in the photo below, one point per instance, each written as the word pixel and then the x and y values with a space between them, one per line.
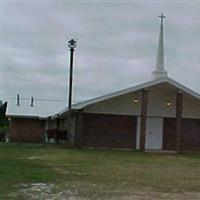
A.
pixel 3 132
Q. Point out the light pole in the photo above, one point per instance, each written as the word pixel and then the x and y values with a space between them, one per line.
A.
pixel 72 45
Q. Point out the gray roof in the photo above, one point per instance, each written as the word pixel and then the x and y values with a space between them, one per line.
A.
pixel 147 84
pixel 55 109
pixel 40 109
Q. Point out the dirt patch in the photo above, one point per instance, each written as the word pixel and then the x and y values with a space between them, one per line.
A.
pixel 35 157
pixel 50 191
pixel 42 191
pixel 61 170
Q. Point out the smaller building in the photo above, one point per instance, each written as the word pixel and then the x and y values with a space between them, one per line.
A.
pixel 28 121
pixel 27 129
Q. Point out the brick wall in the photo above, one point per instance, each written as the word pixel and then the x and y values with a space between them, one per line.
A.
pixel 189 136
pixel 112 131
pixel 27 130
pixel 169 134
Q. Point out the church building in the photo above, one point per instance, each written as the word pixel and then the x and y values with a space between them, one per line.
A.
pixel 160 114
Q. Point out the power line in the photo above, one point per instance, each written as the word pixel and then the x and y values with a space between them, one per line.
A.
pixel 51 100
pixel 39 99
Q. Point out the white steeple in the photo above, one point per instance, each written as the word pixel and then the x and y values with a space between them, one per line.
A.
pixel 160 66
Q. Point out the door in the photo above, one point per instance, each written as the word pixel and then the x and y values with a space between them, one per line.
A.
pixel 154 133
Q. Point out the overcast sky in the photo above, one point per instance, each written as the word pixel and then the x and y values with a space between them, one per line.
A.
pixel 117 45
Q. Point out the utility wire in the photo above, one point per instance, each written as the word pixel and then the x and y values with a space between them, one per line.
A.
pixel 35 99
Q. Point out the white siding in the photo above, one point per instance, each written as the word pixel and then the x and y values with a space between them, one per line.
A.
pixel 157 98
pixel 118 105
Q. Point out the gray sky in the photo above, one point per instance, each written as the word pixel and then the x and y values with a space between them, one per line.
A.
pixel 117 45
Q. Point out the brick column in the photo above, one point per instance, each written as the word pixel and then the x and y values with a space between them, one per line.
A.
pixel 79 128
pixel 179 110
pixel 144 106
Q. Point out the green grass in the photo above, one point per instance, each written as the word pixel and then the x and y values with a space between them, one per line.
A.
pixel 96 174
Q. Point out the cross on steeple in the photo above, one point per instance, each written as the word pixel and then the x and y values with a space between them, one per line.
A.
pixel 162 17
pixel 160 65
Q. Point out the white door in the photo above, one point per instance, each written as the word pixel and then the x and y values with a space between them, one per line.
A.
pixel 154 133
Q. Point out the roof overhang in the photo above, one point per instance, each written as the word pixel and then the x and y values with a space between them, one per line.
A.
pixel 148 84
pixel 22 116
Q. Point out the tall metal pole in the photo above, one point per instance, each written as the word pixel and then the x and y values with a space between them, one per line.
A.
pixel 70 78
pixel 71 44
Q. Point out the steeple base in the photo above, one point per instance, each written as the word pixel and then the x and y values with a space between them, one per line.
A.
pixel 159 74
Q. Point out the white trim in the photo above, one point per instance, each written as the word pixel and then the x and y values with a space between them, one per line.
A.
pixel 154 82
pixel 138 133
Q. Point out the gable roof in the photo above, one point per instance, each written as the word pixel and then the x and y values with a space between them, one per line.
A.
pixel 147 84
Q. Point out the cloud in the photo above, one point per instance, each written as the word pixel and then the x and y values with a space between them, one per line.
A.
pixel 117 44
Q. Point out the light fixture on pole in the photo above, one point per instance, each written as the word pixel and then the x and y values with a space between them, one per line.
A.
pixel 72 45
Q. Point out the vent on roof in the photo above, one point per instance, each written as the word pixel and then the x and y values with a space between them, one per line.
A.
pixel 18 100
pixel 31 101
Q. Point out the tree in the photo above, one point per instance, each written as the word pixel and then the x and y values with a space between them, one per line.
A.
pixel 3 121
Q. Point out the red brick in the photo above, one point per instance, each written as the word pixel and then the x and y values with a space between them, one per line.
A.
pixel 27 130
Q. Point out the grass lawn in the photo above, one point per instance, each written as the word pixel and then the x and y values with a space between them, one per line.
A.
pixel 30 171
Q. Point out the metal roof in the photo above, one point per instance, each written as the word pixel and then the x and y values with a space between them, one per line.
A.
pixel 147 84
pixel 52 109
pixel 40 109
